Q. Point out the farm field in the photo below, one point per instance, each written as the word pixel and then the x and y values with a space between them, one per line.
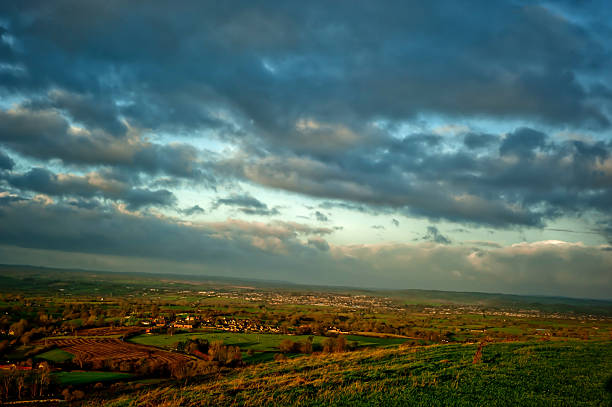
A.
pixel 55 355
pixel 80 377
pixel 257 342
pixel 106 350
pixel 263 346
pixel 525 374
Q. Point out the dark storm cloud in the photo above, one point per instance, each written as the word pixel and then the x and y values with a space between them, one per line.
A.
pixel 43 225
pixel 45 134
pixel 91 185
pixel 90 110
pixel 315 73
pixel 478 140
pixel 6 199
pixel 73 229
pixel 523 141
pixel 434 235
pixel 321 217
pixel 346 205
pixel 523 178
pixel 6 162
pixel 247 205
pixel 139 197
pixel 241 200
pixel 311 98
pixel 260 211
pixel 302 91
pixel 196 209
pixel 605 228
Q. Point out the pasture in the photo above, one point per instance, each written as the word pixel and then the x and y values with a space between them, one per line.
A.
pixel 80 377
pixel 55 355
pixel 263 345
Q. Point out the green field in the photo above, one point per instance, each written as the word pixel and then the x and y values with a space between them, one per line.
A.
pixel 257 342
pixel 77 378
pixel 263 345
pixel 55 355
pixel 374 341
pixel 510 374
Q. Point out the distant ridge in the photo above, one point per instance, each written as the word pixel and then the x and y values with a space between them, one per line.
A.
pixel 19 272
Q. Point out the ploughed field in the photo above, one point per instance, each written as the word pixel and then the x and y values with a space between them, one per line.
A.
pixel 92 350
pixel 544 373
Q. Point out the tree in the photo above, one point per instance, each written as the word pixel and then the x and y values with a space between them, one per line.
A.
pixel 286 346
pixel 20 384
pixel 340 345
pixel 18 328
pixel 306 346
pixel 226 355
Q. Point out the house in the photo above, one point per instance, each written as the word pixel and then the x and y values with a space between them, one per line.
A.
pixel 182 325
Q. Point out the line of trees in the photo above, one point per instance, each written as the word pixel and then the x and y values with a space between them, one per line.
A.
pixel 19 384
pixel 330 345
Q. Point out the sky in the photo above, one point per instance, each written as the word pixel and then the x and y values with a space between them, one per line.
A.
pixel 445 145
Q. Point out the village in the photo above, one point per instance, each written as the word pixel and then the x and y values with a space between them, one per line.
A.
pixel 188 322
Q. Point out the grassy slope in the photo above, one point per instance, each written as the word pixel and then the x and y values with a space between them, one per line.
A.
pixel 526 374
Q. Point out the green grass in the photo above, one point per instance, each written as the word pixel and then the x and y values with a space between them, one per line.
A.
pixel 76 378
pixel 525 374
pixel 374 341
pixel 257 342
pixel 56 355
pixel 265 346
pixel 508 330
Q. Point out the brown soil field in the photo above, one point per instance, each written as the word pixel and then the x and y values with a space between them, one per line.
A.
pixel 105 349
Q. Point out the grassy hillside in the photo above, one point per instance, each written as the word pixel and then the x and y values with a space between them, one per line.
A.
pixel 526 374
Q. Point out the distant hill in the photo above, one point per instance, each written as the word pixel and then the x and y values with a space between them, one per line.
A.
pixel 36 279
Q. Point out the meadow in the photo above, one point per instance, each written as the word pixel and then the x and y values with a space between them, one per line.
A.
pixel 82 377
pixel 255 341
pixel 263 346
